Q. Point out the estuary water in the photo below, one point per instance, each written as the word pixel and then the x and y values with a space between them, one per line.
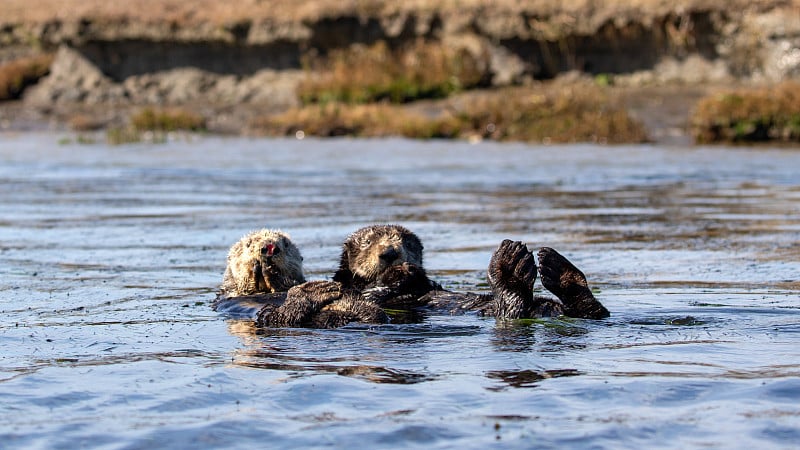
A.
pixel 111 255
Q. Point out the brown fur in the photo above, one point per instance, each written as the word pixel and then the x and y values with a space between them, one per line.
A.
pixel 381 267
pixel 370 251
pixel 263 261
pixel 320 304
pixel 401 280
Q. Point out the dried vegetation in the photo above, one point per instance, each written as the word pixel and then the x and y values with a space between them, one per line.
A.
pixel 749 115
pixel 550 113
pixel 16 75
pixel 363 74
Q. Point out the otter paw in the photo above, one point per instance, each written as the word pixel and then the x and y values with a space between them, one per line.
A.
pixel 512 265
pixel 569 284
pixel 302 303
pixel 560 276
pixel 401 284
pixel 349 309
pixel 406 278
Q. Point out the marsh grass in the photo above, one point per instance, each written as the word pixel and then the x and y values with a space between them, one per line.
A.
pixel 749 115
pixel 548 113
pixel 154 125
pixel 373 120
pixel 551 113
pixel 17 75
pixel 167 119
pixel 364 74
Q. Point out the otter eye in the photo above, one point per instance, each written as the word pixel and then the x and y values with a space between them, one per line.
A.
pixel 276 250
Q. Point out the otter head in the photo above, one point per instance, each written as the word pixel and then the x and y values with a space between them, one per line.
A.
pixel 368 252
pixel 277 263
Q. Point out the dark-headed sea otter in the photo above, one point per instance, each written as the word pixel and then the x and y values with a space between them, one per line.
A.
pixel 381 267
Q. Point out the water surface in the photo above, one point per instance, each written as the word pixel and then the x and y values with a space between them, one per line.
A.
pixel 110 256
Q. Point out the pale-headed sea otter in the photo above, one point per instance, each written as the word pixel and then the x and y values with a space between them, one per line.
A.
pixel 381 267
pixel 263 261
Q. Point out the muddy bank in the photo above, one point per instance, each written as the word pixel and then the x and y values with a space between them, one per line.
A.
pixel 234 64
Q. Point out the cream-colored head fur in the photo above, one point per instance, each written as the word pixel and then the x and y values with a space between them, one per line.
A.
pixel 263 261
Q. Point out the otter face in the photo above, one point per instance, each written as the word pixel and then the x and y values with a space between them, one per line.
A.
pixel 368 252
pixel 263 261
pixel 280 261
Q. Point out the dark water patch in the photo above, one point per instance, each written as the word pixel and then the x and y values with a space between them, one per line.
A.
pixel 528 378
pixel 300 369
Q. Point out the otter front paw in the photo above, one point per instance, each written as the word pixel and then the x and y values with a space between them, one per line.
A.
pixel 302 303
pixel 406 278
pixel 258 284
pixel 399 286
pixel 349 309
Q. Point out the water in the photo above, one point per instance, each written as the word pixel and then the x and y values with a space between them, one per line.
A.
pixel 110 256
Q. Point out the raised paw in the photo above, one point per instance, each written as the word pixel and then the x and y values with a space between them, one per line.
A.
pixel 560 276
pixel 512 272
pixel 569 284
pixel 512 265
pixel 258 284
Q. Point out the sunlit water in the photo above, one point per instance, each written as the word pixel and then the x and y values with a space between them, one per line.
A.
pixel 110 256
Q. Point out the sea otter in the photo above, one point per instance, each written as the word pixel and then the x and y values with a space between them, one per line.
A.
pixel 263 261
pixel 265 268
pixel 381 267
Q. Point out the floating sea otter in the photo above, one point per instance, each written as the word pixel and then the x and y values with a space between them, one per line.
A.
pixel 381 267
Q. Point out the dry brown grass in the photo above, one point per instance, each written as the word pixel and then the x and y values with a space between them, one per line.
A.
pixel 363 74
pixel 222 12
pixel 749 115
pixel 154 125
pixel 551 113
pixel 167 119
pixel 21 73
pixel 373 120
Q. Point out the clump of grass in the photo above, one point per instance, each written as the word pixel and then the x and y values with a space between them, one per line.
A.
pixel 363 74
pixel 749 115
pixel 153 125
pixel 123 135
pixel 17 75
pixel 373 120
pixel 167 119
pixel 84 122
pixel 550 113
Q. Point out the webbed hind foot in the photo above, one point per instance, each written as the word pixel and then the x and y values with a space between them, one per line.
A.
pixel 569 284
pixel 512 272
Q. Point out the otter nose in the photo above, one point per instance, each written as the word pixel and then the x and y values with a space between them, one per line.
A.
pixel 389 255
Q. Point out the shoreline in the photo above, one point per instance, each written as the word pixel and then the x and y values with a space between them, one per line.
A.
pixel 445 67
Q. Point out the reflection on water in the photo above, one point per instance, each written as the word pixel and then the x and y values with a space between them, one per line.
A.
pixel 528 378
pixel 109 258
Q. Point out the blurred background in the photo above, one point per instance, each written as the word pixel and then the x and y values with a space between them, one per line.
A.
pixel 619 71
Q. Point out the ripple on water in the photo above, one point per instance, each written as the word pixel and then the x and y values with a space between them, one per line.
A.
pixel 109 258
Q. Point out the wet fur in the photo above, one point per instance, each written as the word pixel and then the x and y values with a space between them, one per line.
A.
pixel 381 267
pixel 512 272
pixel 250 270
